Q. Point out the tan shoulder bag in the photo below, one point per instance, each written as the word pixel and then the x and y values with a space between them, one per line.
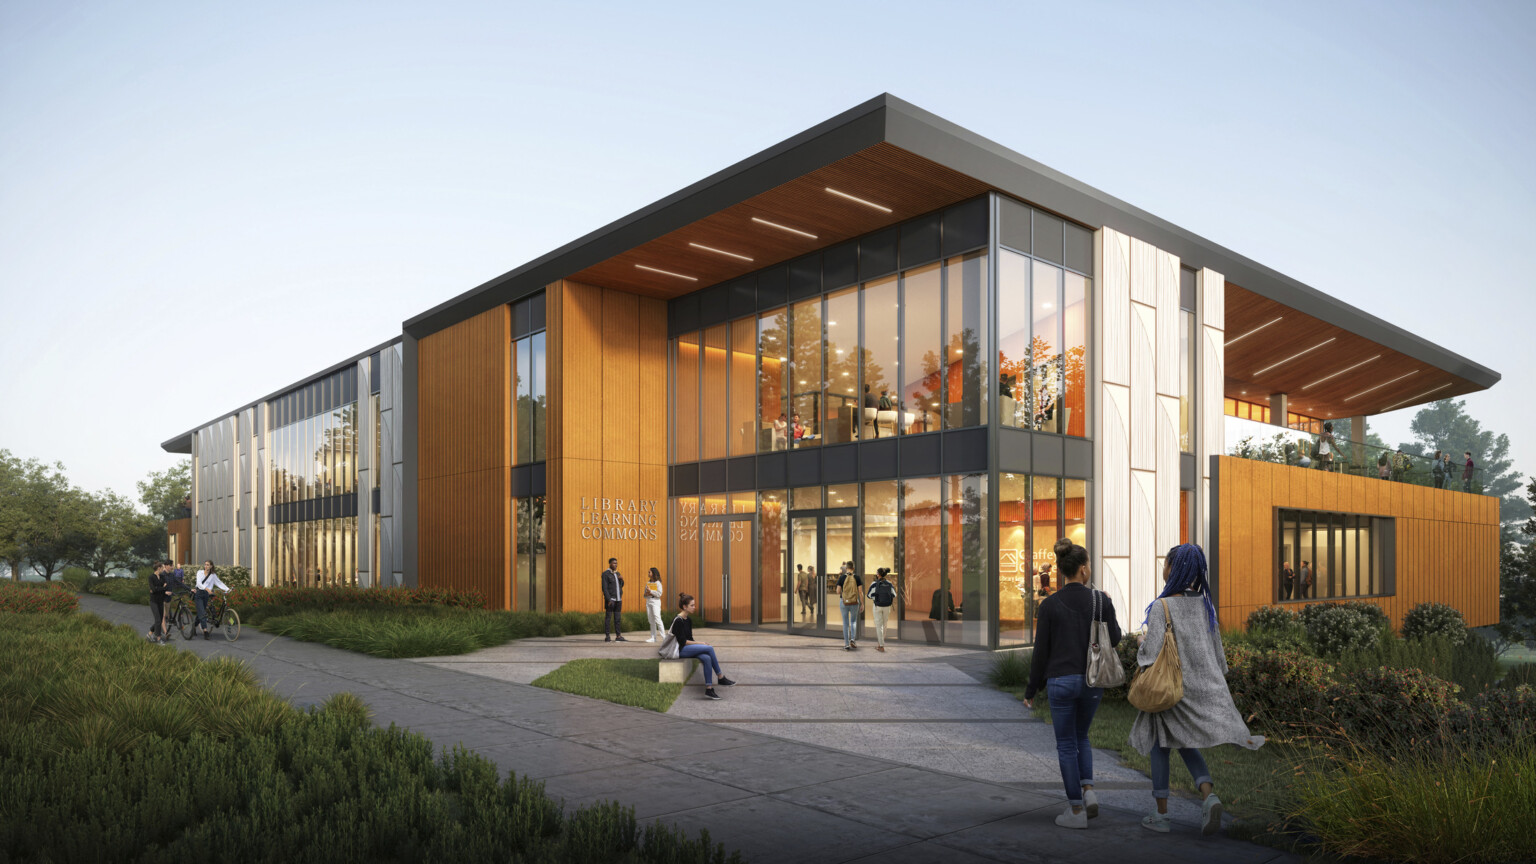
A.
pixel 1161 685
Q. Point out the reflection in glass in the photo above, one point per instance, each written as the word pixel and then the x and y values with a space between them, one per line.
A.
pixel 965 526
pixel 881 349
pixel 685 399
pixel 1017 598
pixel 743 414
pixel 1075 319
pixel 540 401
pixel 966 350
pixel 713 398
pixel 839 422
pixel 1014 363
pixel 1186 377
pixel 773 556
pixel 1045 348
pixel 805 374
pixel 772 392
pixel 924 604
pixel 882 533
pixel 922 358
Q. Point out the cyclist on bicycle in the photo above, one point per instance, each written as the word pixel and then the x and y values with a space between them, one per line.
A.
pixel 207 582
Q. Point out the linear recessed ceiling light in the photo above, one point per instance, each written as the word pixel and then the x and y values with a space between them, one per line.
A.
pixel 784 228
pixel 1379 386
pixel 1414 398
pixel 666 272
pixel 719 251
pixel 1340 372
pixel 859 200
pixel 1294 356
pixel 1250 333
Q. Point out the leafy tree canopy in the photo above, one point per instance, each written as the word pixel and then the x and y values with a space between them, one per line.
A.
pixel 1444 425
pixel 164 493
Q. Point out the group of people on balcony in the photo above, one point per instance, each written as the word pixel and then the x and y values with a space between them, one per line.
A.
pixel 1396 466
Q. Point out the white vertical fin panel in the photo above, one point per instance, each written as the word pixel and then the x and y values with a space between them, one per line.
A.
pixel 1144 553
pixel 1212 288
pixel 1114 475
pixel 1116 582
pixel 1143 387
pixel 1167 324
pixel 1115 308
pixel 1143 272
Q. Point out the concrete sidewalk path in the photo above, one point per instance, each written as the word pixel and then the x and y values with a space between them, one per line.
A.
pixel 820 755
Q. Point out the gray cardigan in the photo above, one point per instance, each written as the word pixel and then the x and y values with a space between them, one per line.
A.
pixel 1206 716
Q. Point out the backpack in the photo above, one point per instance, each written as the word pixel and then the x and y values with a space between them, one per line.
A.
pixel 885 592
pixel 850 589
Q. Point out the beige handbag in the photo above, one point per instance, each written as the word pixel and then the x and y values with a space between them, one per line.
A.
pixel 1160 686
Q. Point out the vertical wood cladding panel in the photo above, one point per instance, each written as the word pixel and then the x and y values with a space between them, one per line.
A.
pixel 463 447
pixel 608 412
pixel 1428 546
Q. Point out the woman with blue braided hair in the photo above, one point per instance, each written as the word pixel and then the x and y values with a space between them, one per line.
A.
pixel 1205 717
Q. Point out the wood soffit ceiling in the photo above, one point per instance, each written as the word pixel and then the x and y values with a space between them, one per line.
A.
pixel 1347 376
pixel 883 174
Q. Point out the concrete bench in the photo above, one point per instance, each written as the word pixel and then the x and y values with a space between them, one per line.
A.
pixel 675 671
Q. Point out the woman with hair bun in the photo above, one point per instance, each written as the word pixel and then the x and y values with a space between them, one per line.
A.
pixel 682 628
pixel 1062 628
pixel 1205 716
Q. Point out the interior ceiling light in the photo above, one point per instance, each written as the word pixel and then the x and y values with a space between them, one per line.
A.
pixel 1293 356
pixel 720 251
pixel 1250 333
pixel 666 272
pixel 1341 372
pixel 784 228
pixel 1383 384
pixel 879 207
pixel 1420 396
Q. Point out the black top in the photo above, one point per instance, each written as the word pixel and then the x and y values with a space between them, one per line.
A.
pixel 1061 634
pixel 682 628
pixel 158 585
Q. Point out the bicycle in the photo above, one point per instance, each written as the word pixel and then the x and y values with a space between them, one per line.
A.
pixel 220 614
pixel 181 611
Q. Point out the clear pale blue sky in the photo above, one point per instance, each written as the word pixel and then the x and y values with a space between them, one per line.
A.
pixel 201 203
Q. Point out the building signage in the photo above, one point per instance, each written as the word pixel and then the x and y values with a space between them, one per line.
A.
pixel 618 519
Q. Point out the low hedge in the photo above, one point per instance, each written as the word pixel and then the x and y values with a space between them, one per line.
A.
pixel 1428 620
pixel 1471 664
pixel 427 630
pixel 113 749
pixel 33 598
pixel 331 599
pixel 1279 692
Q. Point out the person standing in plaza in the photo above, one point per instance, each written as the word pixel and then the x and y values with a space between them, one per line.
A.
pixel 159 592
pixel 613 602
pixel 883 594
pixel 850 592
pixel 653 595
pixel 1205 716
pixel 1059 667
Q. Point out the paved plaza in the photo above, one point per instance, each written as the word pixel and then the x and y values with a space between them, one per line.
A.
pixel 818 755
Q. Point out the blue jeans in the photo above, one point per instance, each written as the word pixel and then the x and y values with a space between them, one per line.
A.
pixel 850 622
pixel 1192 760
pixel 707 652
pixel 1072 708
pixel 201 599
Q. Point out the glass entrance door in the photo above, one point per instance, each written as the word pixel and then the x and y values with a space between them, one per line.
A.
pixel 820 542
pixel 726 568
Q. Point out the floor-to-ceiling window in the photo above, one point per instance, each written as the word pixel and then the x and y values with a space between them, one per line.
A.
pixel 313 512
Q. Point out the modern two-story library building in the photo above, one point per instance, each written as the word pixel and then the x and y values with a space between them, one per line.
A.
pixel 884 342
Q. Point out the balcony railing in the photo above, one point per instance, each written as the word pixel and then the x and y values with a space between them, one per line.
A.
pixel 1289 447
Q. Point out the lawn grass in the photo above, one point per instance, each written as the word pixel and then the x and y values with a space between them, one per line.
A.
pixel 626 682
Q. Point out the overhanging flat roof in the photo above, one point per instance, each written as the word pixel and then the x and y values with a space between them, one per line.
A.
pixel 911 161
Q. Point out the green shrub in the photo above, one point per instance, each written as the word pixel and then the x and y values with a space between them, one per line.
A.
pixel 75 577
pixel 115 750
pixel 1277 691
pixel 37 598
pixel 1472 664
pixel 328 599
pixel 1364 608
pixel 1010 669
pixel 1272 618
pixel 1392 711
pixel 1502 717
pixel 1336 628
pixel 1435 619
pixel 1523 674
pixel 1130 643
pixel 1423 807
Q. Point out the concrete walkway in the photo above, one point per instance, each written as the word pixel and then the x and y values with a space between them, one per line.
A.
pixel 819 755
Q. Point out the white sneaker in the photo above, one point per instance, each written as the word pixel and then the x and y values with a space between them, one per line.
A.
pixel 1090 803
pixel 1155 822
pixel 1210 814
pixel 652 639
pixel 1068 819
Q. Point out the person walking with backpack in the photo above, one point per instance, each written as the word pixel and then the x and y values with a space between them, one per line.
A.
pixel 883 594
pixel 1060 666
pixel 850 591
pixel 1205 716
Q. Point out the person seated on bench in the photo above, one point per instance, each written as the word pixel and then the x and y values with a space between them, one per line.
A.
pixel 682 628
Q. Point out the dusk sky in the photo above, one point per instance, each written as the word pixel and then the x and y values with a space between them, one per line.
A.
pixel 203 203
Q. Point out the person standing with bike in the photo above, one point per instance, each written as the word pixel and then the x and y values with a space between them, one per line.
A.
pixel 159 592
pixel 207 582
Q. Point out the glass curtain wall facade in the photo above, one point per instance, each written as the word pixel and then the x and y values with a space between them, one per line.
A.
pixel 905 351
pixel 313 505
pixel 530 408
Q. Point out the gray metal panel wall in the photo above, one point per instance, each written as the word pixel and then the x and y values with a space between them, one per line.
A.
pixel 365 475
pixel 216 488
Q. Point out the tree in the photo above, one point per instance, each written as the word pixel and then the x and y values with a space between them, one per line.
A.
pixel 1444 425
pixel 1517 583
pixel 53 525
pixel 164 493
pixel 13 474
pixel 118 535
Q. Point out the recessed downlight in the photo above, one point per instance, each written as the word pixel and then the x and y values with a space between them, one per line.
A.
pixel 783 227
pixel 666 273
pixel 881 207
